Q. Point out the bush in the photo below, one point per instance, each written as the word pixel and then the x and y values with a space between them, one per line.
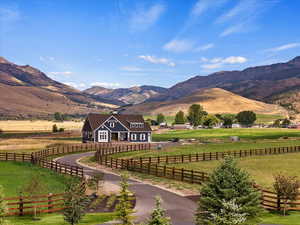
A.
pixel 54 128
pixel 61 129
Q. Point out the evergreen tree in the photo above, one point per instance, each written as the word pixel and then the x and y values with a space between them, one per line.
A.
pixel 179 118
pixel 3 207
pixel 75 201
pixel 124 207
pixel 160 118
pixel 158 215
pixel 227 183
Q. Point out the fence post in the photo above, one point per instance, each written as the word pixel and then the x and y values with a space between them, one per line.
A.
pixel 182 174
pixel 49 202
pixel 192 176
pixel 21 205
pixel 278 203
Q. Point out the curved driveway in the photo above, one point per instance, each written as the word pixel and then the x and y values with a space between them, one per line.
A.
pixel 180 209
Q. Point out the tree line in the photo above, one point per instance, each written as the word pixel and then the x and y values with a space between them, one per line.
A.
pixel 197 116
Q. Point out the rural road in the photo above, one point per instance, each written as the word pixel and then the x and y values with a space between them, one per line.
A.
pixel 179 209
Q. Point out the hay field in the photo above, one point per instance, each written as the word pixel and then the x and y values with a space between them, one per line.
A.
pixel 37 125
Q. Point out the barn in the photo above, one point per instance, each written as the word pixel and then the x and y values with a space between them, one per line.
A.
pixel 115 128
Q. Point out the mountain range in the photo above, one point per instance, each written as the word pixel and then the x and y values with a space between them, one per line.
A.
pixel 26 91
pixel 133 95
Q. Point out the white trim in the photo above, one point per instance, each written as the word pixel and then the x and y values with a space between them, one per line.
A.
pixel 131 137
pixel 115 119
pixel 103 133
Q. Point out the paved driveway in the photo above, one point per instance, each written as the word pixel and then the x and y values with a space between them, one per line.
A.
pixel 180 209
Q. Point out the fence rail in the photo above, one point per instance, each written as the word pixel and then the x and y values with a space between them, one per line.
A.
pixel 209 156
pixel 24 205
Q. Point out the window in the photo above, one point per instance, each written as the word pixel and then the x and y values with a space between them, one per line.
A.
pixel 136 125
pixel 112 124
pixel 103 135
pixel 133 137
pixel 143 137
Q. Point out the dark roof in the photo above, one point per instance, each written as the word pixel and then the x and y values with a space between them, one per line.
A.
pixel 96 120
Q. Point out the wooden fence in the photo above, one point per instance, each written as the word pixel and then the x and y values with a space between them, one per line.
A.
pixel 206 156
pixel 24 205
pixel 17 157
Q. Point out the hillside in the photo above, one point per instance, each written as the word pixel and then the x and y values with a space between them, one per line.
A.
pixel 277 83
pixel 133 95
pixel 26 91
pixel 214 100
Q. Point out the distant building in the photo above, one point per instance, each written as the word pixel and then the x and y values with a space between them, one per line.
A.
pixel 182 126
pixel 115 127
pixel 236 125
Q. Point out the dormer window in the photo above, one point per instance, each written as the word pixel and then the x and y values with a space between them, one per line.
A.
pixel 136 125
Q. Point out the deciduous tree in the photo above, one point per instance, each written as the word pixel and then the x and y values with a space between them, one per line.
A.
pixel 246 118
pixel 160 118
pixel 287 189
pixel 180 118
pixel 195 114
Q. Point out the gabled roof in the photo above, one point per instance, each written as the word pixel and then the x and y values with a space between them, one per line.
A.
pixel 96 120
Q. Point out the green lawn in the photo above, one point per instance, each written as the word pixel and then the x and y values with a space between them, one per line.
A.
pixel 57 219
pixel 14 174
pixel 211 147
pixel 261 168
pixel 244 133
pixel 275 218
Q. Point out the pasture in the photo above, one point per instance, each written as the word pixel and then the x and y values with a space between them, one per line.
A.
pixel 37 125
pixel 261 168
pixel 13 175
pixel 210 147
pixel 224 134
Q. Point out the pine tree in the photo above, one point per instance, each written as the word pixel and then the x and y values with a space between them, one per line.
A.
pixel 75 201
pixel 3 207
pixel 124 207
pixel 158 216
pixel 227 183
pixel 179 118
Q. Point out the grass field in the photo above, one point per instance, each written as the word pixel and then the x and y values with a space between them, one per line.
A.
pixel 211 147
pixel 224 134
pixel 33 144
pixel 14 174
pixel 57 219
pixel 37 125
pixel 261 168
pixel 274 218
pixel 261 118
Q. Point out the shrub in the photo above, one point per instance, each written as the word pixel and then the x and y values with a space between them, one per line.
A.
pixel 61 129
pixel 228 184
pixel 54 128
pixel 158 216
pixel 287 188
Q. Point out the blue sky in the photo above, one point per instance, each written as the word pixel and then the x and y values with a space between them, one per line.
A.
pixel 122 43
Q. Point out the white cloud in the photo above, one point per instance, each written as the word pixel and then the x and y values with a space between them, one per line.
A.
pixel 131 69
pixel 179 46
pixel 72 84
pixel 142 19
pixel 63 73
pixel 46 58
pixel 219 62
pixel 203 5
pixel 155 60
pixel 243 16
pixel 106 84
pixel 284 47
pixel 204 47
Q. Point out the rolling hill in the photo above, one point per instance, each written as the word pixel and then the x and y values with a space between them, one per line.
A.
pixel 277 83
pixel 214 100
pixel 26 91
pixel 133 95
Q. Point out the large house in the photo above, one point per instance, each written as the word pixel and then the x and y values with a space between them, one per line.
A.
pixel 115 127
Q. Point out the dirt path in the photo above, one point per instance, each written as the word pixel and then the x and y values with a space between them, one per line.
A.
pixel 180 209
